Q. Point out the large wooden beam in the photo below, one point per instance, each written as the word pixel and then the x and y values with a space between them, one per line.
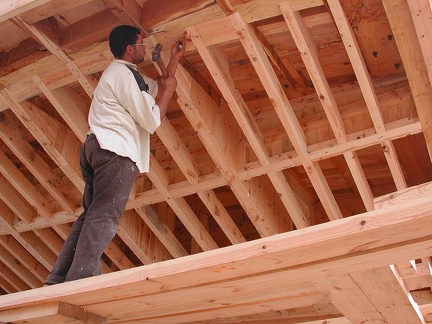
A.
pixel 56 312
pixel 9 9
pixel 407 40
pixel 234 275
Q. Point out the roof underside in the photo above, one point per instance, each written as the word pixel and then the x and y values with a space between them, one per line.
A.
pixel 289 183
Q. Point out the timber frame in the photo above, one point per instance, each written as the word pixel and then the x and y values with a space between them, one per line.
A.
pixel 291 181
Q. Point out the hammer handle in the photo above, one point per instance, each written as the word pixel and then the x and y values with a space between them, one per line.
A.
pixel 162 68
pixel 165 75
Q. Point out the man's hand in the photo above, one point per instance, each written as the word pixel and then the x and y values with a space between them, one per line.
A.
pixel 178 48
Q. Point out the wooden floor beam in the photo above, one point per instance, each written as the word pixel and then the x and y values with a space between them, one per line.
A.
pixel 396 232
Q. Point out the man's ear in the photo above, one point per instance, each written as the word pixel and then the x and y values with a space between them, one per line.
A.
pixel 129 49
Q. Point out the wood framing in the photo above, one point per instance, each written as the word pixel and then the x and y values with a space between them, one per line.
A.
pixel 289 183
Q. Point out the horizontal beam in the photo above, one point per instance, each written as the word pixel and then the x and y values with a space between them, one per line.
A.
pixel 397 232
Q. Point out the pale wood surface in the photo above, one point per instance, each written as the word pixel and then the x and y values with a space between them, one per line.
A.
pixel 290 182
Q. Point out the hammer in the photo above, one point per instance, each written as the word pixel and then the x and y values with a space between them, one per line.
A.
pixel 156 58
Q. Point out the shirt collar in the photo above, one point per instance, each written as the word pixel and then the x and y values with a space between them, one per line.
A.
pixel 126 63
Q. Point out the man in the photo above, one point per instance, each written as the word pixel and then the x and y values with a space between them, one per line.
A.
pixel 121 119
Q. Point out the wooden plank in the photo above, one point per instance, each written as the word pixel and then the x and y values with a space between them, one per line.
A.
pixel 217 130
pixel 365 82
pixel 372 239
pixel 403 28
pixel 309 52
pixel 42 38
pixel 283 108
pixel 15 202
pixel 18 268
pixel 222 217
pixel 162 232
pixel 183 211
pixel 178 150
pixel 55 312
pixel 9 9
pixel 24 257
pixel 136 235
pixel 70 106
pixel 394 293
pixel 262 9
pixel 217 63
pixel 46 129
pixel 88 31
pixel 421 15
pixel 11 135
pixel 166 10
pixel 348 297
pixel 88 82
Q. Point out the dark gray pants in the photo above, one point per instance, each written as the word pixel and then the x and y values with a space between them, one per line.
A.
pixel 108 181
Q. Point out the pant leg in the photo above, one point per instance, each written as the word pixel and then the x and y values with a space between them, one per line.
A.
pixel 66 255
pixel 113 177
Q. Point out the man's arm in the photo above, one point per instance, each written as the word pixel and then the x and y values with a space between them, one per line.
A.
pixel 177 51
pixel 166 88
pixel 168 85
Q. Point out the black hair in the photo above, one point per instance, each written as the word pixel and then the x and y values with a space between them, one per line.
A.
pixel 122 36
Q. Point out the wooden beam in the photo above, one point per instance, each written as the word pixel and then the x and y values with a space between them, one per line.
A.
pixel 190 13
pixel 365 83
pixel 88 82
pixel 348 297
pixel 13 279
pixel 70 106
pixel 21 208
pixel 51 46
pixel 374 239
pixel 157 13
pixel 217 63
pixel 25 257
pixel 183 211
pixel 29 240
pixel 217 130
pixel 11 135
pixel 287 160
pixel 179 152
pixel 55 312
pixel 88 31
pixel 10 9
pixel 128 12
pixel 52 135
pixel 309 52
pixel 162 232
pixel 284 110
pixel 398 13
pixel 140 239
pixel 222 217
pixel 25 274
pixel 262 9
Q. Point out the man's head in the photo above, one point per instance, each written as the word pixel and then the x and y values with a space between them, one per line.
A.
pixel 125 42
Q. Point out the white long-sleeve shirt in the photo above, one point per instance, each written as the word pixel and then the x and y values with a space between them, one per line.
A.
pixel 122 117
